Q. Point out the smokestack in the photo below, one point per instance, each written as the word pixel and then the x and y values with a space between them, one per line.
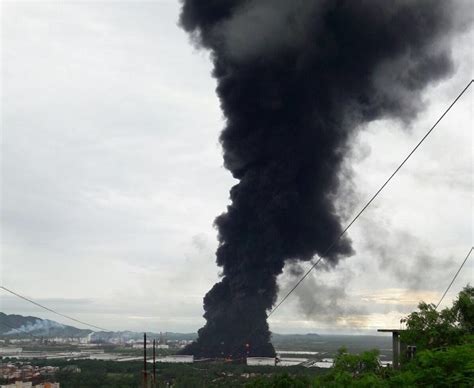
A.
pixel 296 79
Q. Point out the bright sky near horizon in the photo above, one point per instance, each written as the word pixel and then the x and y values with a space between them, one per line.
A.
pixel 111 177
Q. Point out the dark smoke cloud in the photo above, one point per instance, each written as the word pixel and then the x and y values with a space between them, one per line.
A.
pixel 295 80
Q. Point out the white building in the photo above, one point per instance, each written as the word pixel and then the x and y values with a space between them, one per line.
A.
pixel 257 361
pixel 177 359
pixel 139 344
pixel 104 356
pixel 290 361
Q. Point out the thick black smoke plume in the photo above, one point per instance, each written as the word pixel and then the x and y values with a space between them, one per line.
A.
pixel 295 79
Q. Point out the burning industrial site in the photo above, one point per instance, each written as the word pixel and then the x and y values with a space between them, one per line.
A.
pixel 295 81
pixel 251 193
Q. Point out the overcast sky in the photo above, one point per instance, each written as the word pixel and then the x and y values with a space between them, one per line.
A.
pixel 111 177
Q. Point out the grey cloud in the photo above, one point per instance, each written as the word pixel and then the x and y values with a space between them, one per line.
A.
pixel 317 300
pixel 402 255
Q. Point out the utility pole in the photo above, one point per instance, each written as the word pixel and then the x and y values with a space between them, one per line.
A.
pixel 145 377
pixel 396 345
pixel 154 363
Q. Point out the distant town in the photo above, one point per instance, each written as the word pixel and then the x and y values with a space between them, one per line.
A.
pixel 26 375
pixel 92 346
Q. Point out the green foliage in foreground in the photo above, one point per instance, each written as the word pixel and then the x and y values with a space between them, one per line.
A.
pixel 432 329
pixel 282 381
pixel 104 374
pixel 453 367
pixel 445 341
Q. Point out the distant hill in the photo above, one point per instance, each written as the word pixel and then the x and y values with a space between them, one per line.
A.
pixel 19 326
pixel 295 341
pixel 276 336
pixel 47 328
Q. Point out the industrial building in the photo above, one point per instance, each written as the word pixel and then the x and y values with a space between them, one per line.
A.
pixel 258 361
pixel 177 359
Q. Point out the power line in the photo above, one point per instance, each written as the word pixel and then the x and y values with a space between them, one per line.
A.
pixel 454 278
pixel 371 200
pixel 51 310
